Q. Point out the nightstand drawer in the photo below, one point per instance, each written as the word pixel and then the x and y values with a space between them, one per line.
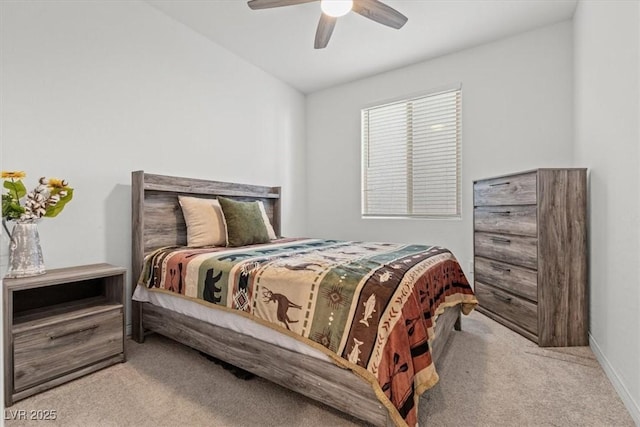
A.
pixel 520 220
pixel 517 280
pixel 51 350
pixel 522 251
pixel 512 308
pixel 510 190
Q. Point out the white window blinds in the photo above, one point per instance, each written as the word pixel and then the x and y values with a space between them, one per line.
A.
pixel 411 157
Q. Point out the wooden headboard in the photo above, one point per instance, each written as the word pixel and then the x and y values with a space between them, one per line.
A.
pixel 157 219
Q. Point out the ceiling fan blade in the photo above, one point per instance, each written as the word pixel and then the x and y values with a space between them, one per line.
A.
pixel 379 12
pixel 323 33
pixel 267 4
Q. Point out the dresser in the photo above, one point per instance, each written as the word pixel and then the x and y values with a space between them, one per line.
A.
pixel 530 254
pixel 61 325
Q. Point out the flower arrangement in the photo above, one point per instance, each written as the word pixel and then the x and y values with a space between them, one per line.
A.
pixel 48 199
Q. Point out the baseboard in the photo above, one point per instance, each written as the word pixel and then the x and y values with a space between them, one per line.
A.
pixel 632 406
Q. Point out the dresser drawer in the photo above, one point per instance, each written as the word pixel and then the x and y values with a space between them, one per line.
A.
pixel 511 190
pixel 45 352
pixel 521 251
pixel 512 308
pixel 519 220
pixel 517 280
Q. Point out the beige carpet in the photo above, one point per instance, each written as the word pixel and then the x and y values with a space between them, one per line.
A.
pixel 490 377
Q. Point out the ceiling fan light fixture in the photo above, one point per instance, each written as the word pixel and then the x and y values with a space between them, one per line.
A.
pixel 375 10
pixel 336 8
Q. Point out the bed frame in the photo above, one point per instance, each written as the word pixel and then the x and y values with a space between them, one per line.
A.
pixel 157 221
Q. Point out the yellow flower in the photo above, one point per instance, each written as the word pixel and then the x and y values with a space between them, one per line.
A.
pixel 13 174
pixel 57 183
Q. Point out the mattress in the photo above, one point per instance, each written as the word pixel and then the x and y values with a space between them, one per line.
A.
pixel 226 320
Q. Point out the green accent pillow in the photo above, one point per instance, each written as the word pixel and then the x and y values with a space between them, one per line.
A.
pixel 245 225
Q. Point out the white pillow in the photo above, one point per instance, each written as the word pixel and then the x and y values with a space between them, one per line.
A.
pixel 205 222
pixel 267 223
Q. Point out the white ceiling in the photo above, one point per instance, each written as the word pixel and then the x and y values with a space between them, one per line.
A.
pixel 280 40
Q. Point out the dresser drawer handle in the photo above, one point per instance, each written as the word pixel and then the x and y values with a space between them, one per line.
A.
pixel 501 297
pixel 505 213
pixel 500 268
pixel 500 183
pixel 500 240
pixel 66 334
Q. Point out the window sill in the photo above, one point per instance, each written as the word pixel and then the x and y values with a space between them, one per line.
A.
pixel 414 217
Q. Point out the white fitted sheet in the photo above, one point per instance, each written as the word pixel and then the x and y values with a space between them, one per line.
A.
pixel 225 319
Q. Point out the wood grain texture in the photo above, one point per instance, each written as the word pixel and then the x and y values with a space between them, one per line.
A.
pixel 64 275
pixel 517 220
pixel 517 250
pixel 560 258
pixel 510 307
pixel 137 223
pixel 509 324
pixel 509 190
pixel 445 323
pixel 276 213
pixel 115 292
pixel 47 352
pixel 118 358
pixel 7 342
pixel 516 280
pixel 562 251
pixel 164 224
pixel 320 380
pixel 62 313
pixel 157 218
pixel 175 184
pixel 51 340
pixel 137 249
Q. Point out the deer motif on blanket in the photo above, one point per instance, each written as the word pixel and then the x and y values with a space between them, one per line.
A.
pixel 283 304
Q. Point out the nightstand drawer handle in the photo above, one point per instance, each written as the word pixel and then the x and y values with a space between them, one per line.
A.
pixel 505 213
pixel 501 297
pixel 66 334
pixel 500 240
pixel 500 268
pixel 500 183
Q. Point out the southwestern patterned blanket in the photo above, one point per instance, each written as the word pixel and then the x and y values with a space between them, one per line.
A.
pixel 369 306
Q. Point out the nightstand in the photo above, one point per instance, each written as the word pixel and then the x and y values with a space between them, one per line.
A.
pixel 61 325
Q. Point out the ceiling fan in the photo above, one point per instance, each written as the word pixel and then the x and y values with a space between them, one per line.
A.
pixel 333 9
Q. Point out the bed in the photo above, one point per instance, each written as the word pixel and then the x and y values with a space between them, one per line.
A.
pixel 337 378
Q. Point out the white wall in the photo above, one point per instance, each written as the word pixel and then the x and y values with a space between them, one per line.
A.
pixel 607 141
pixel 517 96
pixel 93 90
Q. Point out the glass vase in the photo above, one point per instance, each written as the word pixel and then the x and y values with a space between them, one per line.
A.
pixel 25 254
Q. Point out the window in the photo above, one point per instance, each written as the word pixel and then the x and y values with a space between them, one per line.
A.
pixel 411 157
